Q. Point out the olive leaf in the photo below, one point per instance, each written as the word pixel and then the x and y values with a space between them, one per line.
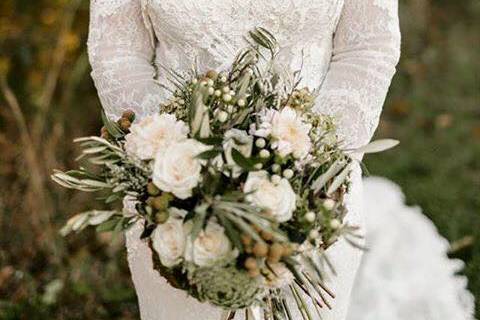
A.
pixel 377 146
pixel 112 128
pixel 209 154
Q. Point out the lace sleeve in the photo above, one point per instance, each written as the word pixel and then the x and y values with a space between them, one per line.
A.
pixel 366 51
pixel 121 49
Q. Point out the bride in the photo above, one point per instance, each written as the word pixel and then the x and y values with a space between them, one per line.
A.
pixel 348 48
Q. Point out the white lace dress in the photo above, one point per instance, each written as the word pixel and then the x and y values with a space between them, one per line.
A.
pixel 348 48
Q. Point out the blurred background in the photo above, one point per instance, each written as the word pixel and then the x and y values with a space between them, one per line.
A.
pixel 47 98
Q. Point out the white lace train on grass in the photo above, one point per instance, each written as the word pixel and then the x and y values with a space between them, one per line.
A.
pixel 406 274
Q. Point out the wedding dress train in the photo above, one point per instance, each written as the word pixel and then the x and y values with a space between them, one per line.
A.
pixel 406 274
pixel 346 48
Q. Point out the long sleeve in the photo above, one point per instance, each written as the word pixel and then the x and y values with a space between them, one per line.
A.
pixel 121 50
pixel 366 50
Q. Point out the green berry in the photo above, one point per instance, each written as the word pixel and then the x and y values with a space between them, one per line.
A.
pixel 161 217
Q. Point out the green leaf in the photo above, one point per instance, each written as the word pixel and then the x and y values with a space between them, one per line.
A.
pixel 231 232
pixel 211 141
pixel 264 38
pixel 332 171
pixel 209 154
pixel 74 223
pixel 339 180
pixel 244 163
pixel 240 118
pixel 112 128
pixel 112 198
pixel 99 217
pixel 108 225
pixel 246 227
pixel 199 116
pixel 378 146
pixel 199 220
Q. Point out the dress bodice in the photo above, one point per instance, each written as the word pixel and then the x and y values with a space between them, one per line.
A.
pixel 347 48
pixel 212 32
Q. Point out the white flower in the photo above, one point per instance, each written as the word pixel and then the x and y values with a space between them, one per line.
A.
pixel 210 247
pixel 290 133
pixel 153 134
pixel 281 276
pixel 242 142
pixel 277 198
pixel 169 238
pixel 177 170
pixel 263 130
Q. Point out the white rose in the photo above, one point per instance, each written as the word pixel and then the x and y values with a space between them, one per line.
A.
pixel 210 246
pixel 278 198
pixel 177 170
pixel 242 142
pixel 290 133
pixel 169 238
pixel 153 134
pixel 264 129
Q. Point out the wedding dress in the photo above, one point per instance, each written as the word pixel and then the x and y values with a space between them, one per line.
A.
pixel 347 48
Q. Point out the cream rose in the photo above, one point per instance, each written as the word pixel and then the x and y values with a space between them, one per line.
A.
pixel 290 133
pixel 277 198
pixel 242 142
pixel 169 238
pixel 210 246
pixel 176 168
pixel 153 134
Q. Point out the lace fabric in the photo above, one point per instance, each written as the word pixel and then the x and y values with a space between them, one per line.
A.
pixel 348 49
pixel 406 273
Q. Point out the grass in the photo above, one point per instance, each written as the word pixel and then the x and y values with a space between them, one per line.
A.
pixel 434 109
pixel 47 98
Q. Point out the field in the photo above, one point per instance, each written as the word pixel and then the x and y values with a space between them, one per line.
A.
pixel 47 98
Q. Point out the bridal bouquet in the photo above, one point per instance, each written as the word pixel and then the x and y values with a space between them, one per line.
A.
pixel 237 182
